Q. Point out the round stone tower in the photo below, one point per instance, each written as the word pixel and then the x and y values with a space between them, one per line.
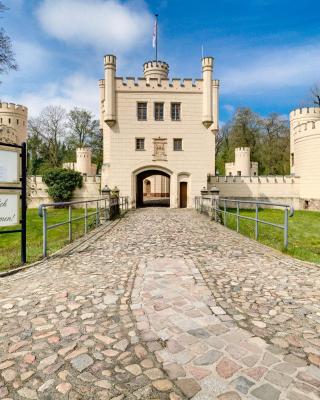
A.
pixel 305 150
pixel 13 123
pixel 299 117
pixel 242 160
pixel 155 70
pixel 84 160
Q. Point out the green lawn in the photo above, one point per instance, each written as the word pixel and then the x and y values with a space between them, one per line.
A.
pixel 304 231
pixel 57 238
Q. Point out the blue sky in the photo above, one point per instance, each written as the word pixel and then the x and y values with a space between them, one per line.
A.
pixel 267 52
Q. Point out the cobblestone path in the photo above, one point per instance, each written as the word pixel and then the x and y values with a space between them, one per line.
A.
pixel 166 305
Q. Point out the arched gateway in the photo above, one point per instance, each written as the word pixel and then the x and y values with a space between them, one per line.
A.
pixel 156 195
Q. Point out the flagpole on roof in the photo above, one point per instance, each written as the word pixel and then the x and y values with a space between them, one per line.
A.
pixel 155 35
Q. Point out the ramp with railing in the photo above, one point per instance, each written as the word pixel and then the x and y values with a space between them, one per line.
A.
pixel 90 214
pixel 233 212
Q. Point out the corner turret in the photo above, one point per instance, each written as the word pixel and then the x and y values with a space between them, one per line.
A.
pixel 110 92
pixel 210 105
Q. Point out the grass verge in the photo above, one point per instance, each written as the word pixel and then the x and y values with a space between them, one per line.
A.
pixel 57 237
pixel 304 231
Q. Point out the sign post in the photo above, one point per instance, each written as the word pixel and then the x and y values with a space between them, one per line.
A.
pixel 13 187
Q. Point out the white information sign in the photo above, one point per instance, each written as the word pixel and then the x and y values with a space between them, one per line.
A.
pixel 9 166
pixel 9 209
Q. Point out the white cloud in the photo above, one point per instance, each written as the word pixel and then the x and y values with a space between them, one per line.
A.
pixel 272 69
pixel 104 24
pixel 30 56
pixel 76 90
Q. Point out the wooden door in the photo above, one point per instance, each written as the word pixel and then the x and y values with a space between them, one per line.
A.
pixel 183 194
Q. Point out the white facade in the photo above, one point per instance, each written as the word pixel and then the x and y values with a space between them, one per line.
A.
pixel 125 165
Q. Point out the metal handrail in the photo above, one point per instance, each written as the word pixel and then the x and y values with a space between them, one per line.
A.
pixel 212 207
pixel 112 206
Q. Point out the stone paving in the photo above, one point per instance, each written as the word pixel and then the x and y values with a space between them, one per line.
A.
pixel 166 305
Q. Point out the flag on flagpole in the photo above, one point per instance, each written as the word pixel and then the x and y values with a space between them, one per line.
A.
pixel 155 32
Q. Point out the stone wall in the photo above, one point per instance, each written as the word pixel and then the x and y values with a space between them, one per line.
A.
pixel 38 194
pixel 282 189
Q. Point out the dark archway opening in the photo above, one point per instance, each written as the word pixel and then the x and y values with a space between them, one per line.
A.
pixel 150 192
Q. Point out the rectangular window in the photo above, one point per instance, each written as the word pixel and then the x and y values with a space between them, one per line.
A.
pixel 139 143
pixel 158 111
pixel 177 144
pixel 175 111
pixel 142 111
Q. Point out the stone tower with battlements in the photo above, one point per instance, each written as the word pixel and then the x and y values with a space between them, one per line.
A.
pixel 83 163
pixel 305 150
pixel 154 125
pixel 13 123
pixel 242 165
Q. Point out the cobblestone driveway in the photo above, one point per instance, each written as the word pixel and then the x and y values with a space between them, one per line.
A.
pixel 166 305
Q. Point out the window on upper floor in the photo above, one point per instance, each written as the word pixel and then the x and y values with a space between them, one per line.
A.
pixel 239 173
pixel 177 144
pixel 158 111
pixel 139 144
pixel 175 111
pixel 142 111
pixel 9 120
pixel 17 122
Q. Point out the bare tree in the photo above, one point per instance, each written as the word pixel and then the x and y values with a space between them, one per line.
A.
pixel 50 126
pixel 7 59
pixel 315 93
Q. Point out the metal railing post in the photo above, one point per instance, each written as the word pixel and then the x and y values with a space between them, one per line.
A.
pixel 225 212
pixel 105 210
pixel 97 214
pixel 257 222
pixel 215 210
pixel 86 218
pixel 70 224
pixel 286 230
pixel 212 209
pixel 44 232
pixel 238 216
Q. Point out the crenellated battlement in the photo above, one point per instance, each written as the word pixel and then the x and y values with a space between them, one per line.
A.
pixel 156 64
pixel 240 150
pixel 266 179
pixel 306 112
pixel 110 60
pixel 154 84
pixel 14 109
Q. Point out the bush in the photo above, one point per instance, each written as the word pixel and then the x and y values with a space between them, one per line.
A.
pixel 62 183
